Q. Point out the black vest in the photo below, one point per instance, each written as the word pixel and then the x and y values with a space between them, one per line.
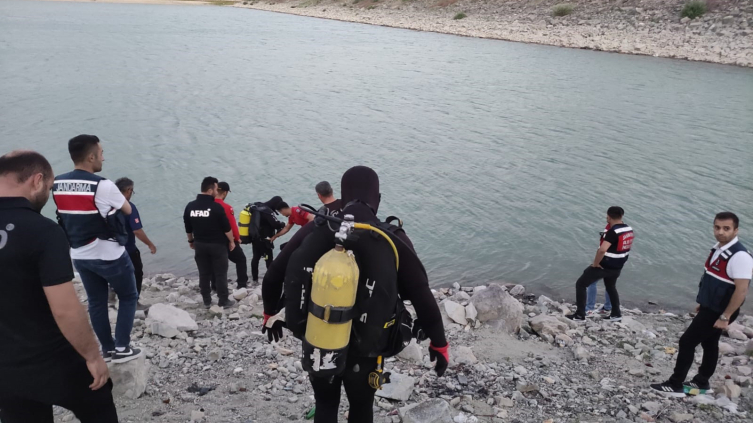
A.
pixel 716 287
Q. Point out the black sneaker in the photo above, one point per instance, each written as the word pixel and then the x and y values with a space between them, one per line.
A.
pixel 226 303
pixel 207 302
pixel 126 355
pixel 667 389
pixel 107 356
pixel 615 318
pixel 576 317
pixel 695 388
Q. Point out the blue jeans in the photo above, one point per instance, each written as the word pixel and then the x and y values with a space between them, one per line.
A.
pixel 591 298
pixel 96 276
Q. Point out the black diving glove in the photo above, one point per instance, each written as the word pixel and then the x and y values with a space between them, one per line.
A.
pixel 442 355
pixel 273 332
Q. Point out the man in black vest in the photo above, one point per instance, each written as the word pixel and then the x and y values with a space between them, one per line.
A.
pixel 88 207
pixel 607 265
pixel 48 353
pixel 721 293
pixel 210 236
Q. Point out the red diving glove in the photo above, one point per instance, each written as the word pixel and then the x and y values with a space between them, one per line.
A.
pixel 442 355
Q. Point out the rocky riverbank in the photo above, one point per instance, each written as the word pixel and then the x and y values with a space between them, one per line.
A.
pixel 648 27
pixel 514 358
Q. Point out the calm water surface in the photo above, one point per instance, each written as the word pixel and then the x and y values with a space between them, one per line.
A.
pixel 500 157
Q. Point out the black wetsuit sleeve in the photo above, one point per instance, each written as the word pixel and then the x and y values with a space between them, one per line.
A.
pixel 413 285
pixel 272 285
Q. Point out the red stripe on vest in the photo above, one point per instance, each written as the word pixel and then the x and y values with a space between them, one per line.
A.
pixel 75 202
pixel 718 267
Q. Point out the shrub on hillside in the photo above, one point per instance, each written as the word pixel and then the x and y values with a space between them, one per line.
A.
pixel 694 9
pixel 562 10
pixel 460 16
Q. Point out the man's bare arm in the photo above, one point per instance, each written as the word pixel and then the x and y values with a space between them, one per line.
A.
pixel 284 230
pixel 741 290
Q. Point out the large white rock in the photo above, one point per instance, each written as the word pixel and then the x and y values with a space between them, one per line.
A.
pixel 548 325
pixel 164 330
pixel 399 388
pixel 435 410
pixel 496 304
pixel 172 316
pixel 240 294
pixel 413 352
pixel 455 311
pixel 462 355
pixel 129 379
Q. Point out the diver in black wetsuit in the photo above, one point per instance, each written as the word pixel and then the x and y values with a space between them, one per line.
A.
pixel 360 194
pixel 268 227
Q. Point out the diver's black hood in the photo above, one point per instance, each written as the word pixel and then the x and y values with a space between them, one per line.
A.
pixel 361 184
pixel 273 202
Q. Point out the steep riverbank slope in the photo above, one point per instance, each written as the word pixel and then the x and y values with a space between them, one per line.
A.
pixel 724 34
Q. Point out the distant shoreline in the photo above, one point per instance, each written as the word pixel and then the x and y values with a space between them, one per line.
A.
pixel 723 35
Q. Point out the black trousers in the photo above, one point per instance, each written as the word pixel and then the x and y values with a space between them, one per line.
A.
pixel 594 274
pixel 27 393
pixel 212 261
pixel 360 394
pixel 238 257
pixel 261 248
pixel 138 268
pixel 701 331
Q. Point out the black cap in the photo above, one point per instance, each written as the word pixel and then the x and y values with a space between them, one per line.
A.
pixel 224 186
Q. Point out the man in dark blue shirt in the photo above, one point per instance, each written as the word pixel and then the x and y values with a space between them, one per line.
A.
pixel 135 230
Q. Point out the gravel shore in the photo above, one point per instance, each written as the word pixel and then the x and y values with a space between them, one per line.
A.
pixel 648 27
pixel 514 358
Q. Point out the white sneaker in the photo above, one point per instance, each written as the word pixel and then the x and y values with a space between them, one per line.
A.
pixel 591 314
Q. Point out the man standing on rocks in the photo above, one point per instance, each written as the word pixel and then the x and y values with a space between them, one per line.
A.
pixel 721 293
pixel 135 230
pixel 210 236
pixel 327 196
pixel 236 255
pixel 607 265
pixel 88 209
pixel 48 353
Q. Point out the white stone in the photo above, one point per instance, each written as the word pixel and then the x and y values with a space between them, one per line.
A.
pixel 736 334
pixel 726 349
pixel 399 388
pixel 680 417
pixel 413 352
pixel 470 312
pixel 234 316
pixel 496 304
pixel 549 325
pixel 731 390
pixel 518 290
pixel 462 355
pixel 129 379
pixel 652 407
pixel 240 294
pixel 744 370
pixel 505 402
pixel 434 410
pixel 216 310
pixel 632 324
pixel 164 330
pixel 581 353
pixel 196 416
pixel 455 311
pixel 173 316
pixel 563 339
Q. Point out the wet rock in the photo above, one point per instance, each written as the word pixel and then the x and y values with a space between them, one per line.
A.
pixel 399 388
pixel 171 316
pixel 129 379
pixel 462 355
pixel 434 410
pixel 496 304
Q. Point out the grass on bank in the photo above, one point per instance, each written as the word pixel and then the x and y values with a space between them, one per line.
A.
pixel 694 9
pixel 460 16
pixel 562 10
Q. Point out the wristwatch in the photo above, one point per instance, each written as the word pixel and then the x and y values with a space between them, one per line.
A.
pixel 724 318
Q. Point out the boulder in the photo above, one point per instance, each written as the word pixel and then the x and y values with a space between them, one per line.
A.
pixel 164 330
pixel 496 304
pixel 399 388
pixel 548 325
pixel 462 355
pixel 434 410
pixel 171 316
pixel 129 379
pixel 412 352
pixel 455 311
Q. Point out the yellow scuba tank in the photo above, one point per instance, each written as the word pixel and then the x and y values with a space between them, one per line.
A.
pixel 334 284
pixel 243 223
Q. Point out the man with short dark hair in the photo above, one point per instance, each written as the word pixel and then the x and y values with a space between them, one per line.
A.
pixel 135 230
pixel 48 353
pixel 721 293
pixel 611 256
pixel 210 236
pixel 88 209
pixel 295 215
pixel 236 255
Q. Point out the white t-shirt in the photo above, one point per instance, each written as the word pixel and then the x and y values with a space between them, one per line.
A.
pixel 108 198
pixel 740 266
